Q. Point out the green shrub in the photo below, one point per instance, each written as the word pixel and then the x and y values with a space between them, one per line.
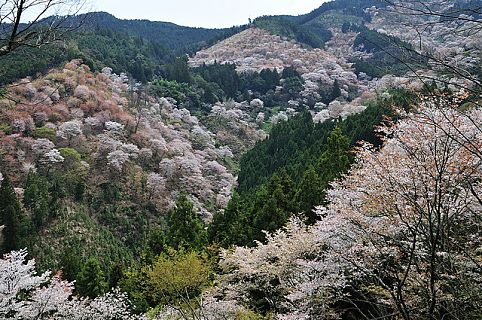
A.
pixel 44 133
pixel 70 155
pixel 6 129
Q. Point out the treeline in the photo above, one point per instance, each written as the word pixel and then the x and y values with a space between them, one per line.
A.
pixel 310 29
pixel 100 48
pixel 178 39
pixel 348 7
pixel 313 35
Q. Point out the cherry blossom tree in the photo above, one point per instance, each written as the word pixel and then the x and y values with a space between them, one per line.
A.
pixel 412 213
pixel 400 237
pixel 70 130
pixel 117 159
pixel 24 294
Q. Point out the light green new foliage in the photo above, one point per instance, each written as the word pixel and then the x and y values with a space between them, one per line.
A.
pixel 178 277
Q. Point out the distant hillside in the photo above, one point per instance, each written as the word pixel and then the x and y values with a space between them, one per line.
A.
pixel 314 29
pixel 169 35
pixel 137 47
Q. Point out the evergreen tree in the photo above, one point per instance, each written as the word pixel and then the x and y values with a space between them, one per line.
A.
pixel 337 158
pixel 273 205
pixel 186 229
pixel 230 227
pixel 309 193
pixel 15 224
pixel 290 72
pixel 179 70
pixel 71 262
pixel 36 198
pixel 56 192
pixel 90 280
pixel 336 91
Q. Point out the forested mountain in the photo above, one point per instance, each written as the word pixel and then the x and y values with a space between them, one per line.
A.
pixel 321 166
pixel 137 47
pixel 177 38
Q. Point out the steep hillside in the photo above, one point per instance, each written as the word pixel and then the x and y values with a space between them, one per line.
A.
pixel 322 166
pixel 330 87
pixel 256 49
pixel 137 47
pixel 142 59
pixel 113 164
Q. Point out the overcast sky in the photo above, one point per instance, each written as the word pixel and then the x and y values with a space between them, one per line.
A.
pixel 203 13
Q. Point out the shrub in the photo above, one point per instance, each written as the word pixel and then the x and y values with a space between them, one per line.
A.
pixel 44 133
pixel 6 129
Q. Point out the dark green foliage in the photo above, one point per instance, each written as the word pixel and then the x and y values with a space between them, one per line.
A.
pixel 36 199
pixel 182 92
pixel 272 206
pixel 336 91
pixel 116 273
pixel 123 53
pixel 185 229
pixel 310 193
pixel 91 280
pixel 390 55
pixel 337 158
pixel 314 36
pixel 30 61
pixel 176 38
pixel 16 224
pixel 348 7
pixel 230 227
pixel 298 143
pixel 44 133
pixel 155 243
pixel 290 72
pixel 209 92
pixel 178 70
pixel 224 75
pixel 245 221
pixel 71 262
pixel 98 48
pixel 287 141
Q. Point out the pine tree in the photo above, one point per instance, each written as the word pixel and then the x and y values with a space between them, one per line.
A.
pixel 185 227
pixel 90 280
pixel 179 70
pixel 273 205
pixel 16 225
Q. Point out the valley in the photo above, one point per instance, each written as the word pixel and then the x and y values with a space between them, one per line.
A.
pixel 321 166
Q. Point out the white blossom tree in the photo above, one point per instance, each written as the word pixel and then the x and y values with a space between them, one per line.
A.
pixel 24 294
pixel 400 238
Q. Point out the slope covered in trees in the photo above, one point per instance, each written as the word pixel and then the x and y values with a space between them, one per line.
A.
pixel 177 38
pixel 300 169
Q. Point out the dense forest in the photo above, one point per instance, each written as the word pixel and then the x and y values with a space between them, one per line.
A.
pixel 321 166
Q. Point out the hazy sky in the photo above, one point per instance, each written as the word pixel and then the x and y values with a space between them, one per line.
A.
pixel 203 13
